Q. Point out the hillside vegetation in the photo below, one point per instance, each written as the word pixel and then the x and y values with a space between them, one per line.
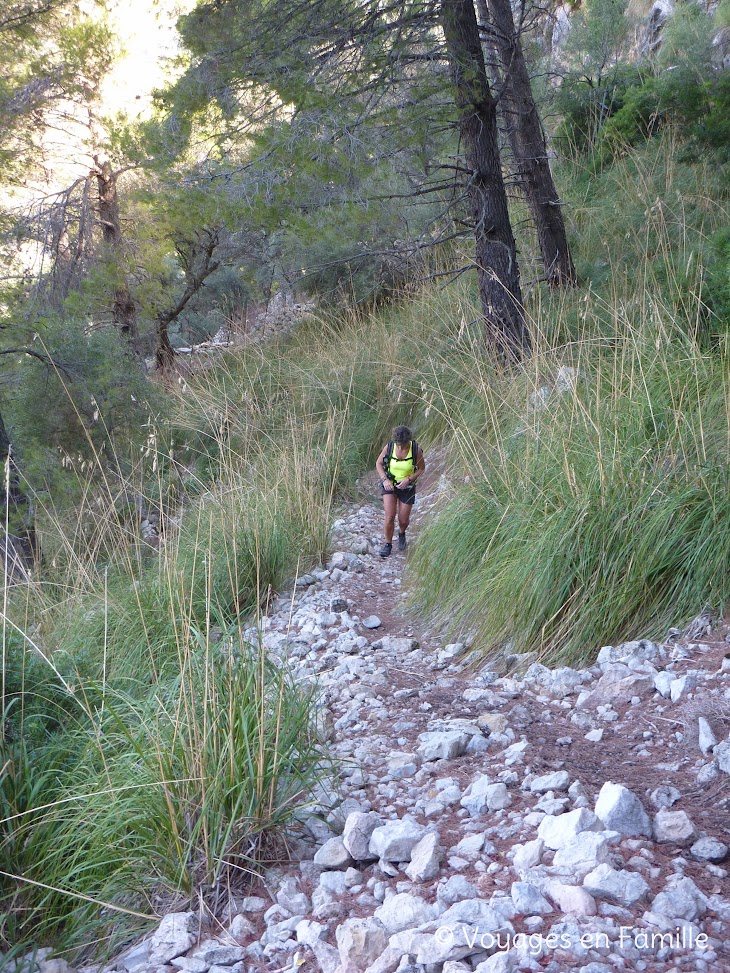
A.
pixel 588 501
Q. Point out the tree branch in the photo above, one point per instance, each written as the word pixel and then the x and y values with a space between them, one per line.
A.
pixel 41 356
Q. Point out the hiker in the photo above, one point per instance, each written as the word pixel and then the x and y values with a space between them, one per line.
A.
pixel 399 465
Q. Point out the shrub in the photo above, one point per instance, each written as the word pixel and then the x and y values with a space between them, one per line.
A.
pixel 711 129
pixel 602 514
pixel 155 799
pixel 586 107
pixel 69 419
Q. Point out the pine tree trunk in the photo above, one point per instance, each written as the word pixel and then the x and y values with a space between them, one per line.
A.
pixel 199 265
pixel 496 255
pixel 165 354
pixel 124 312
pixel 527 141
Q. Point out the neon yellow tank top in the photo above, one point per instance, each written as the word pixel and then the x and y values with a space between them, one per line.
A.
pixel 401 468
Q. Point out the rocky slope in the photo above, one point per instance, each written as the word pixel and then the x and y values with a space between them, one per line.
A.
pixel 541 819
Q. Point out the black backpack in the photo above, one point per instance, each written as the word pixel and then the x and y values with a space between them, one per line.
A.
pixel 389 456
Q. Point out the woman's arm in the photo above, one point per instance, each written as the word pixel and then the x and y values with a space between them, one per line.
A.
pixel 420 466
pixel 386 483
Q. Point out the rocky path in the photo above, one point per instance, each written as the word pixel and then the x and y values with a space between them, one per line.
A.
pixel 544 820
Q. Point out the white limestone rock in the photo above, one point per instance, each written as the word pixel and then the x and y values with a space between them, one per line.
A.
pixel 682 685
pixel 674 827
pixel 253 903
pixel 663 683
pixel 360 942
pixel 619 684
pixel 452 936
pixel 240 927
pixel 333 882
pixel 721 756
pixel 492 722
pixel 501 962
pixel 664 796
pixel 395 840
pixel 621 887
pixel 333 854
pixel 681 899
pixel 188 964
pixel 443 744
pixel 469 847
pixel 174 936
pixel 455 889
pixel 308 932
pixel 582 854
pixel 426 858
pixel 54 965
pixel 528 855
pixel 706 738
pixel 621 810
pixel 557 781
pixel 325 905
pixel 431 947
pixel 652 27
pixel 215 953
pixel 394 646
pixel 474 912
pixel 639 651
pixel 401 766
pixel 291 898
pixel 345 561
pixel 404 911
pixel 451 652
pixel 357 832
pixel 328 958
pixel 515 753
pixel 709 850
pixel 561 31
pixel 474 798
pixel 529 901
pixel 707 773
pixel 498 797
pixel 572 899
pixel 387 962
pixel 557 830
pixel 501 902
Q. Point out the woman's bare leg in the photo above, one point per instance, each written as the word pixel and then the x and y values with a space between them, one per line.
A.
pixel 404 516
pixel 390 502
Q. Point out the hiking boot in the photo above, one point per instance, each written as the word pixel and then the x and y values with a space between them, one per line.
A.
pixel 386 549
pixel 401 542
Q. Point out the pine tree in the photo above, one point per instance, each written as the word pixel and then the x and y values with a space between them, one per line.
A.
pixel 527 140
pixel 361 74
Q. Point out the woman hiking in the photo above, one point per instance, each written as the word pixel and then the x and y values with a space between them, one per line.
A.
pixel 399 465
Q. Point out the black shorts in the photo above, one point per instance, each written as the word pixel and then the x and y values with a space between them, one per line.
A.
pixel 405 495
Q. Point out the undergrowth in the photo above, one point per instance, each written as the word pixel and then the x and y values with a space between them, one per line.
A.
pixel 596 503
